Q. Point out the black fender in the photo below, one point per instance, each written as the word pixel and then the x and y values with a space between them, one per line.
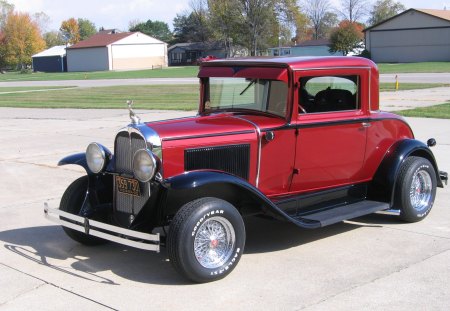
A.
pixel 382 187
pixel 195 184
pixel 77 159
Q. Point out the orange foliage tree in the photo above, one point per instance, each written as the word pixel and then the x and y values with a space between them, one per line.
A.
pixel 21 39
pixel 346 37
pixel 70 30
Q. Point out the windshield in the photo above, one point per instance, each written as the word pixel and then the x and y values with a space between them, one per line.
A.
pixel 269 96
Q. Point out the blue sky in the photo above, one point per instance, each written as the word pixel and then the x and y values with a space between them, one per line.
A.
pixel 118 13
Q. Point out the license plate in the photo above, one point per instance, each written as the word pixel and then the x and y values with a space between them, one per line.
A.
pixel 128 186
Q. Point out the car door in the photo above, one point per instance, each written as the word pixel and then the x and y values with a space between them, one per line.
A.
pixel 331 128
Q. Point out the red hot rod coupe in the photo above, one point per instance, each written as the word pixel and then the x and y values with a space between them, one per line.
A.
pixel 296 139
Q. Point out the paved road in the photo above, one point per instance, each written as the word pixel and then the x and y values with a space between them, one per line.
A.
pixel 371 263
pixel 403 78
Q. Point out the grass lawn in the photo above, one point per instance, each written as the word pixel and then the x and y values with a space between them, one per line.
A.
pixel 31 88
pixel 171 72
pixel 387 87
pixel 168 97
pixel 438 111
pixel 415 67
pixel 171 97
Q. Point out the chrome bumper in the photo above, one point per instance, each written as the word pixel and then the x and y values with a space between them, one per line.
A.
pixel 91 227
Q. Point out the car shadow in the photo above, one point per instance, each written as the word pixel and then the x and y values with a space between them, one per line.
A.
pixel 46 245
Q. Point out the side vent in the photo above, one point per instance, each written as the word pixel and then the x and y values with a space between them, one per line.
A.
pixel 233 159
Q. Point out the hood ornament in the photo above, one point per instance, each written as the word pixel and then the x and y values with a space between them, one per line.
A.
pixel 133 116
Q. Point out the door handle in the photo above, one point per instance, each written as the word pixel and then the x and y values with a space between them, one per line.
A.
pixel 366 124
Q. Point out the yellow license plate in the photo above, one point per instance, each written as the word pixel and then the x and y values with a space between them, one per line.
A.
pixel 128 186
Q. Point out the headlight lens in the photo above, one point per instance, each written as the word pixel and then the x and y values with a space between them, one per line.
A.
pixel 95 157
pixel 144 165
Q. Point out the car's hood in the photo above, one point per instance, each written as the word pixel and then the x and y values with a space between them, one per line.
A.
pixel 204 126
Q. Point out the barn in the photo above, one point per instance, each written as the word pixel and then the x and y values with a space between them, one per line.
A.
pixel 51 60
pixel 117 51
pixel 415 35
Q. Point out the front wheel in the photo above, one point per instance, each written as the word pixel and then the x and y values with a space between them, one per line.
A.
pixel 416 189
pixel 206 239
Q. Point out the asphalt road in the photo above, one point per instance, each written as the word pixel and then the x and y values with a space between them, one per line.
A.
pixel 403 78
pixel 370 263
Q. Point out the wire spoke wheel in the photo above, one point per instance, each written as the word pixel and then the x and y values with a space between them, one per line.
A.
pixel 421 190
pixel 214 242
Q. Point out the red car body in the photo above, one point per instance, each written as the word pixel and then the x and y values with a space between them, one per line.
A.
pixel 297 139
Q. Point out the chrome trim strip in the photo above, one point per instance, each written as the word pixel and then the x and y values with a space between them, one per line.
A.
pixel 327 68
pixel 392 212
pixel 89 227
pixel 207 135
pixel 258 131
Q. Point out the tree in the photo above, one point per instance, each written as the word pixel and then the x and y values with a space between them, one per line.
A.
pixel 21 39
pixel 156 29
pixel 384 9
pixel 5 9
pixel 70 31
pixel 186 28
pixel 347 37
pixel 353 10
pixel 42 20
pixel 316 11
pixel 86 28
pixel 53 38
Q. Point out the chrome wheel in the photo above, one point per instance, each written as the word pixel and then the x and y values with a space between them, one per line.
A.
pixel 214 242
pixel 420 192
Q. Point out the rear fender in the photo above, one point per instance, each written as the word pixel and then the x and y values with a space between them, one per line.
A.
pixel 384 182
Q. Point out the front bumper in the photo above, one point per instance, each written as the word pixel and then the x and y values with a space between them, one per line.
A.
pixel 145 241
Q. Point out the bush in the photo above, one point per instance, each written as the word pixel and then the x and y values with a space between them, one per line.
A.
pixel 26 71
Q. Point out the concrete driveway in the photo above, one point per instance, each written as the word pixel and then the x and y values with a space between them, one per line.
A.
pixel 374 262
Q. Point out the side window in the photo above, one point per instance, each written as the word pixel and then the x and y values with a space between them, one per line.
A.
pixel 328 94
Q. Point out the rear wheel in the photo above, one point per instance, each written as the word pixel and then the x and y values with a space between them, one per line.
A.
pixel 71 202
pixel 415 189
pixel 206 239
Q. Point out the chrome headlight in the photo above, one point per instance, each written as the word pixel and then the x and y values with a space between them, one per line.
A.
pixel 96 157
pixel 144 165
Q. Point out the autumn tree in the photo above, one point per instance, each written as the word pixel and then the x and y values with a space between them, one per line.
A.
pixel 155 29
pixel 70 30
pixel 5 9
pixel 347 37
pixel 384 9
pixel 86 28
pixel 353 10
pixel 21 39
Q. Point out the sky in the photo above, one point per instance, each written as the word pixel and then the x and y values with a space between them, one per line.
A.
pixel 118 13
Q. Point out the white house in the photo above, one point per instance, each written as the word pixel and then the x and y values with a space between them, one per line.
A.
pixel 117 51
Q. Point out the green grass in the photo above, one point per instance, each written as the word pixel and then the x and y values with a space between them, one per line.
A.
pixel 171 72
pixel 31 88
pixel 167 97
pixel 415 67
pixel 387 87
pixel 438 111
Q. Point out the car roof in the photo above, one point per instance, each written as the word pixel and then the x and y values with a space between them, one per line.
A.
pixel 295 63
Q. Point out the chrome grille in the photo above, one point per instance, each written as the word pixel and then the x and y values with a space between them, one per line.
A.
pixel 126 145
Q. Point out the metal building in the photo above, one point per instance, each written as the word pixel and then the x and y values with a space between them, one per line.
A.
pixel 51 60
pixel 117 51
pixel 415 35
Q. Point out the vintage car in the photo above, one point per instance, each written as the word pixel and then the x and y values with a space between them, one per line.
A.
pixel 294 139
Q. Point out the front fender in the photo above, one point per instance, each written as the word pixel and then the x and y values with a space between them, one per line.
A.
pixel 77 159
pixel 192 185
pixel 383 184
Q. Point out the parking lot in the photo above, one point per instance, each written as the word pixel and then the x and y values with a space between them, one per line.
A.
pixel 374 262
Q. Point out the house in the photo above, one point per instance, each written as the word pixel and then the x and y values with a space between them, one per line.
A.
pixel 51 60
pixel 117 51
pixel 415 35
pixel 188 53
pixel 319 47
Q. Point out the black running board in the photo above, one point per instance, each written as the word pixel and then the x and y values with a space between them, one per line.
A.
pixel 337 214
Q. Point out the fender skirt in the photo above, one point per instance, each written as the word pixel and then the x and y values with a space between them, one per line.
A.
pixel 196 180
pixel 383 184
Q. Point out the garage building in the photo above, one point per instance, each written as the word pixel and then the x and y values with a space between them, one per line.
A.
pixel 51 60
pixel 416 35
pixel 117 51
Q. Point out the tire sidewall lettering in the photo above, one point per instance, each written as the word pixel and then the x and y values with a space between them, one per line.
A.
pixel 209 214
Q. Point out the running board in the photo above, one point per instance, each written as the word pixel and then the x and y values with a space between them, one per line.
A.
pixel 334 215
